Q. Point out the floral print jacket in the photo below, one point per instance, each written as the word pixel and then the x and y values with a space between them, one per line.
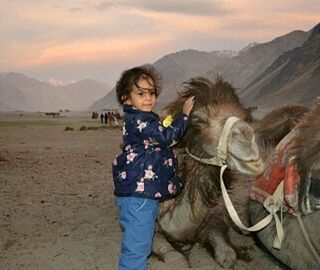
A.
pixel 147 166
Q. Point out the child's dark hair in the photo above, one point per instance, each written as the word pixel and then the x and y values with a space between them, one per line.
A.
pixel 130 77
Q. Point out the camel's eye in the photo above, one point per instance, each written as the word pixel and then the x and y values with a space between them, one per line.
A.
pixel 236 131
pixel 242 132
pixel 237 135
pixel 198 117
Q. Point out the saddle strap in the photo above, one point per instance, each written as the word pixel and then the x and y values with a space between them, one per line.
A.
pixel 272 205
pixel 305 234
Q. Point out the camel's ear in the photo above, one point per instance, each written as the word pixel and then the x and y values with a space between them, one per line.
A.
pixel 198 117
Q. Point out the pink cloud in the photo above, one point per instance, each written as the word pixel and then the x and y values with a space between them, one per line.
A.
pixel 86 51
pixel 45 33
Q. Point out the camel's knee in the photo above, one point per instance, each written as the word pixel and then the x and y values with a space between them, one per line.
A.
pixel 224 253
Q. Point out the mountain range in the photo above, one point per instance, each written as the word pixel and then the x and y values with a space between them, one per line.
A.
pixel 294 76
pixel 283 70
pixel 19 92
pixel 252 71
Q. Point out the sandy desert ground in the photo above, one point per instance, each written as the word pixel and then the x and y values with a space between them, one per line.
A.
pixel 56 202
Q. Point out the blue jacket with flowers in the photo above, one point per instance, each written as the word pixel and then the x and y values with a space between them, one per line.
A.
pixel 147 167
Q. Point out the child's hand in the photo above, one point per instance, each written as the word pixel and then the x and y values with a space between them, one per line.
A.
pixel 167 121
pixel 188 105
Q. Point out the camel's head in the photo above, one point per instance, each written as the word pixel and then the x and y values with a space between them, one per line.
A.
pixel 210 136
pixel 215 103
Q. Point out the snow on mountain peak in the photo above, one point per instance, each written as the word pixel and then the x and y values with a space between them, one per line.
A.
pixel 59 83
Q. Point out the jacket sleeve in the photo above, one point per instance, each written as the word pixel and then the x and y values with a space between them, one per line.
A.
pixel 164 136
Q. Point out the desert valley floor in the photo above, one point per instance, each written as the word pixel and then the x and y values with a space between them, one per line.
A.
pixel 56 201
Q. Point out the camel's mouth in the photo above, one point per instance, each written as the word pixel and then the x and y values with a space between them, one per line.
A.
pixel 253 166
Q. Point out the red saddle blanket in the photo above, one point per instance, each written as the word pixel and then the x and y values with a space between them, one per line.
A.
pixel 281 166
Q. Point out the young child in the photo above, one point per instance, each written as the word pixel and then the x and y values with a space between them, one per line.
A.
pixel 146 169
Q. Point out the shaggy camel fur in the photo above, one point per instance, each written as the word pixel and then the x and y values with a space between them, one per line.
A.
pixel 198 215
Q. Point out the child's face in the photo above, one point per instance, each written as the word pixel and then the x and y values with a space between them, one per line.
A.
pixel 143 97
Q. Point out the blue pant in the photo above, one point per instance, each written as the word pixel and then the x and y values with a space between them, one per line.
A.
pixel 138 219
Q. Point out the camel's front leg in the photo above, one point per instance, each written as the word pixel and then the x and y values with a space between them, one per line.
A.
pixel 225 255
pixel 163 249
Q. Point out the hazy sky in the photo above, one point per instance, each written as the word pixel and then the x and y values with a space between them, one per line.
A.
pixel 74 39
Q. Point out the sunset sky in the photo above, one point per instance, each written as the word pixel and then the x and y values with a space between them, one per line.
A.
pixel 70 40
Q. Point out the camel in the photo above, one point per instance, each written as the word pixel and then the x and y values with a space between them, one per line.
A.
pixel 301 160
pixel 197 215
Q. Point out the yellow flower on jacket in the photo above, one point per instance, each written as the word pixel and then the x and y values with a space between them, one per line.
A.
pixel 167 121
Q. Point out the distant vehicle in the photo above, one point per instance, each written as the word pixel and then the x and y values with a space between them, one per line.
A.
pixel 53 114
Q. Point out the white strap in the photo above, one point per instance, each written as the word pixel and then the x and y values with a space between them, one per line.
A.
pixel 306 236
pixel 224 137
pixel 272 205
pixel 211 161
pixel 221 157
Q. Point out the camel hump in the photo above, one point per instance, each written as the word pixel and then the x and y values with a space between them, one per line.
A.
pixel 275 125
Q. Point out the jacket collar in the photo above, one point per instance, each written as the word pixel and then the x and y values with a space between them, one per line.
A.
pixel 132 109
pixel 129 108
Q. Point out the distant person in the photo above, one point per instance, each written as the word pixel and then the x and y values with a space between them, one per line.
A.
pixel 116 122
pixel 101 117
pixel 114 118
pixel 110 119
pixel 117 117
pixel 106 118
pixel 146 169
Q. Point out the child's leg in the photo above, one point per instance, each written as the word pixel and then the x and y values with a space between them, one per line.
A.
pixel 137 217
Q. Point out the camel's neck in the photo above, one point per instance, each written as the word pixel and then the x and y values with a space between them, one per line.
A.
pixel 177 218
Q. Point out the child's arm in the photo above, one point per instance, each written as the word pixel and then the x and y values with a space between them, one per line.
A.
pixel 168 135
pixel 165 136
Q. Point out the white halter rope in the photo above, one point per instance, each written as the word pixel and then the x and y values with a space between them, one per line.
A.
pixel 221 158
pixel 272 203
